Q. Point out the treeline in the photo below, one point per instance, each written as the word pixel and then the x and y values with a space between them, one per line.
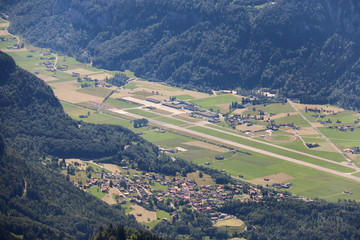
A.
pixel 119 80
pixel 296 219
pixel 123 233
pixel 300 47
pixel 189 224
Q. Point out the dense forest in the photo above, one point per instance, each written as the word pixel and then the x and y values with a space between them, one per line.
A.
pixel 294 219
pixel 123 233
pixel 308 49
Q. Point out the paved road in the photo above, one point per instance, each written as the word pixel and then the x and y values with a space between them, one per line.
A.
pixel 327 139
pixel 239 145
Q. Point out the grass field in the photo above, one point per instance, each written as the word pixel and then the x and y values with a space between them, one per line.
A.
pixel 94 117
pixel 143 113
pixel 166 139
pixel 96 91
pixel 272 149
pixel 307 182
pixel 171 121
pixel 7 41
pixel 297 120
pixel 131 86
pixel 120 103
pixel 213 103
pixel 184 97
pixel 205 180
pixel 231 226
pixel 95 190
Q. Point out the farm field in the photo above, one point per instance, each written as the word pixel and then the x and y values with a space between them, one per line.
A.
pixel 231 226
pixel 216 103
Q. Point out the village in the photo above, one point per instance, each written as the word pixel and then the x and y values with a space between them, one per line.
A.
pixel 168 193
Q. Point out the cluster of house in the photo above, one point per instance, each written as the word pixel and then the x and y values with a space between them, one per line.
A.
pixel 344 128
pixel 139 189
pixel 49 65
pixel 282 185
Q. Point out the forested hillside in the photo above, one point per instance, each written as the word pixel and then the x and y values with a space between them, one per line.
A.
pixel 308 49
pixel 294 219
pixel 37 201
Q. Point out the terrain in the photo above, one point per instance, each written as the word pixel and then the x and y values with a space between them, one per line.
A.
pixel 305 49
pixel 195 179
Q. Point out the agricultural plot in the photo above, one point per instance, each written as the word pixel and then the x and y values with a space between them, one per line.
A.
pixel 96 91
pixel 296 119
pixel 231 226
pixel 7 41
pixel 212 103
pixel 184 97
pixel 120 103
pixel 143 113
pixel 165 139
pixel 142 215
pixel 204 180
pixel 95 190
pixel 276 108
pixel 95 117
pixel 306 181
pixel 171 121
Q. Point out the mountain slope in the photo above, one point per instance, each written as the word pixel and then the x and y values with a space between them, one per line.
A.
pixel 37 202
pixel 308 49
pixel 35 199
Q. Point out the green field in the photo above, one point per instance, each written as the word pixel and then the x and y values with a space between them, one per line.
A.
pixel 297 120
pixel 231 226
pixel 184 97
pixel 211 103
pixel 307 182
pixel 166 139
pixel 7 41
pixel 94 117
pixel 171 121
pixel 275 108
pixel 120 103
pixel 96 91
pixel 143 113
pixel 95 190
pixel 335 134
pixel 131 86
pixel 272 149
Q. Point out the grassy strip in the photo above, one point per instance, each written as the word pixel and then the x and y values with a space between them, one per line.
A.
pixel 272 149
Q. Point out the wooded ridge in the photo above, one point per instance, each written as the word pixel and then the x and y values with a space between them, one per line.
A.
pixel 308 49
